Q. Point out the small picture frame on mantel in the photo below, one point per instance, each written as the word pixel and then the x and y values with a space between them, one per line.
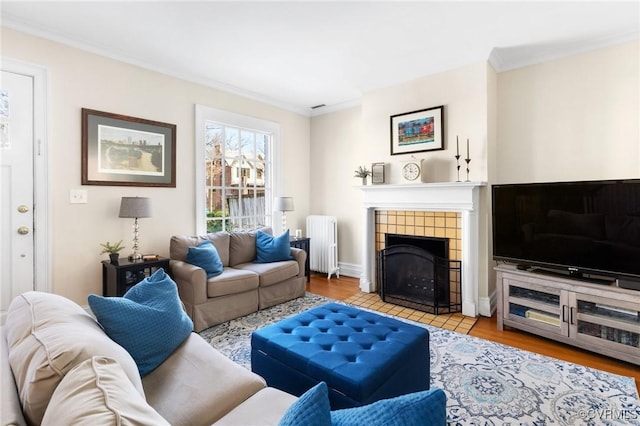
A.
pixel 377 173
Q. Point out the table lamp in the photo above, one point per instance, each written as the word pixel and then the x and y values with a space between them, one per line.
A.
pixel 135 207
pixel 284 204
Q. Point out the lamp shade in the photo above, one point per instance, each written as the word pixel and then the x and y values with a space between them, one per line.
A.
pixel 135 207
pixel 284 204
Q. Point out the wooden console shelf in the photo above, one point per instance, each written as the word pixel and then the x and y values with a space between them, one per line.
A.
pixel 597 317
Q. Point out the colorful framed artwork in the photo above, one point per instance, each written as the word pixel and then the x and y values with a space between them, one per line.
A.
pixel 417 131
pixel 119 150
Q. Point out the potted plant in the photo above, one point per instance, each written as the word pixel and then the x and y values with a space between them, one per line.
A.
pixel 112 249
pixel 362 172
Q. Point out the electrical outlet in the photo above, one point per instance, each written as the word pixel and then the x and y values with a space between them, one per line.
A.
pixel 78 196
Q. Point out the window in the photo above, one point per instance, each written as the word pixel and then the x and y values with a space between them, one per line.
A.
pixel 236 154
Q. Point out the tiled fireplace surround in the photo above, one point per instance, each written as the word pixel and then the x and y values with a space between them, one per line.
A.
pixel 448 210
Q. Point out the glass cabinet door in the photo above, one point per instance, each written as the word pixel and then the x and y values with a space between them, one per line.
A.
pixel 614 323
pixel 538 306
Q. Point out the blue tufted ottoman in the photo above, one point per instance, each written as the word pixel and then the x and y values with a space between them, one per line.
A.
pixel 363 357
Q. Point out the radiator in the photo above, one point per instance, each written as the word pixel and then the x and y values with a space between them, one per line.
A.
pixel 323 244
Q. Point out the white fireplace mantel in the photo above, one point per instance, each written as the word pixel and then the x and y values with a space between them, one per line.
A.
pixel 447 196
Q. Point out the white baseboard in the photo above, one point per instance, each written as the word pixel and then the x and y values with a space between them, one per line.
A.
pixel 350 269
pixel 487 305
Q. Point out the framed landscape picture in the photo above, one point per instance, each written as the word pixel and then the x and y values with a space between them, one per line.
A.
pixel 127 151
pixel 417 131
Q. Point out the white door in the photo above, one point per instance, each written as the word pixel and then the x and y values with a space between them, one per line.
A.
pixel 17 182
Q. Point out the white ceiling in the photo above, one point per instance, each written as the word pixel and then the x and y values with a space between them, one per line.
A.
pixel 297 54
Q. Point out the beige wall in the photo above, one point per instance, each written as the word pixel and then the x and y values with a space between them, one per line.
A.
pixel 571 119
pixel 79 79
pixel 335 152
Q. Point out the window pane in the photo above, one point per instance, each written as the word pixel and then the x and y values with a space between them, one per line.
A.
pixel 216 206
pixel 248 146
pixel 237 177
pixel 232 142
pixel 214 140
pixel 262 141
pixel 260 167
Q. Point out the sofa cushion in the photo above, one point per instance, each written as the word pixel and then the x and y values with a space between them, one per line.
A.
pixel 220 241
pixel 175 389
pixel 311 409
pixel 272 273
pixel 148 321
pixel 232 281
pixel 47 336
pixel 418 408
pixel 179 245
pixel 272 249
pixel 206 257
pixel 242 247
pixel 271 403
pixel 97 392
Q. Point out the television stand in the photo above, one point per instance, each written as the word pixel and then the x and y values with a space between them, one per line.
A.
pixel 592 316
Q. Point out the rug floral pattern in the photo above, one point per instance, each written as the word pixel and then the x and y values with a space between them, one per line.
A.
pixel 486 383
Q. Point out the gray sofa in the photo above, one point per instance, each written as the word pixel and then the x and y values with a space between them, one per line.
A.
pixel 242 288
pixel 58 367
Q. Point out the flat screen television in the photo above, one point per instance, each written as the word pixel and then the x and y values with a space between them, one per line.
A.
pixel 578 228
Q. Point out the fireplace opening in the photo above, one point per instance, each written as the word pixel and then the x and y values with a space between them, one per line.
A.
pixel 434 245
pixel 415 272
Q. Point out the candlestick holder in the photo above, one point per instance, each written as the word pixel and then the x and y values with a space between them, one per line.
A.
pixel 458 165
pixel 468 160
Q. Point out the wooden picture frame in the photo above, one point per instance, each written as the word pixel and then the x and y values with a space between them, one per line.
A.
pixel 417 131
pixel 118 150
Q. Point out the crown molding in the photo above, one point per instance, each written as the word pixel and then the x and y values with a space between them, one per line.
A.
pixel 511 58
pixel 10 22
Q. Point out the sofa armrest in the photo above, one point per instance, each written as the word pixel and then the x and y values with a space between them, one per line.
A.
pixel 299 256
pixel 11 412
pixel 191 281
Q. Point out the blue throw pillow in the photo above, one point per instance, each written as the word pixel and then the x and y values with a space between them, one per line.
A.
pixel 418 408
pixel 148 321
pixel 272 249
pixel 311 409
pixel 205 256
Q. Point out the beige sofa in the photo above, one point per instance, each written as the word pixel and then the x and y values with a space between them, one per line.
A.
pixel 242 288
pixel 58 367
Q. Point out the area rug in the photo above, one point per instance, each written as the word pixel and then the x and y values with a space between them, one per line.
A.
pixel 486 383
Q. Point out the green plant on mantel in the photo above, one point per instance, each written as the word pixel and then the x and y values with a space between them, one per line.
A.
pixel 111 248
pixel 362 172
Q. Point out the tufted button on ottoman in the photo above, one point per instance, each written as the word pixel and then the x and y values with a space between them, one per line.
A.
pixel 363 357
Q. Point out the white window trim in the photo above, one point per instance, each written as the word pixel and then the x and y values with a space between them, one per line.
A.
pixel 204 114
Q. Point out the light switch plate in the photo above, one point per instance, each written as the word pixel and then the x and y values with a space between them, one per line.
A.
pixel 78 196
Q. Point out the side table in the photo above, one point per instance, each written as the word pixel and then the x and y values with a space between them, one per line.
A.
pixel 304 244
pixel 119 277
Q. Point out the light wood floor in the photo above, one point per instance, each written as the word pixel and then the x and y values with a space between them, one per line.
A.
pixel 485 328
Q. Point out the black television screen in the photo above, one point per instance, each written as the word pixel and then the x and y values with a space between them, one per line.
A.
pixel 588 227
